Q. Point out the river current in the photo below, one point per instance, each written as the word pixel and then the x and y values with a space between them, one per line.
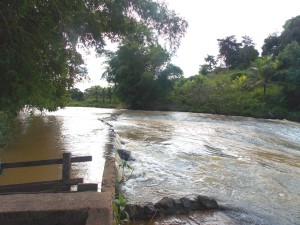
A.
pixel 250 166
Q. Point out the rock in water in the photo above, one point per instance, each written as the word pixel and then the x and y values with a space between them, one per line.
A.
pixel 190 203
pixel 125 155
pixel 166 206
pixel 206 202
pixel 141 211
pixel 169 206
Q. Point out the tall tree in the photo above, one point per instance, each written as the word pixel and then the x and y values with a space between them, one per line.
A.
pixel 237 55
pixel 133 68
pixel 39 60
pixel 211 62
pixel 291 31
pixel 289 71
pixel 76 94
pixel 247 53
pixel 166 78
pixel 94 92
pixel 228 51
pixel 271 45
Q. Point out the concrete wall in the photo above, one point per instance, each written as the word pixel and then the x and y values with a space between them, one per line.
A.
pixel 109 175
pixel 80 208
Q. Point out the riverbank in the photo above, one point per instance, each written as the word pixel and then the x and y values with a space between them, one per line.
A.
pixel 262 111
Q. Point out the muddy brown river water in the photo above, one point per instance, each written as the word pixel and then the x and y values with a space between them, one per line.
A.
pixel 250 166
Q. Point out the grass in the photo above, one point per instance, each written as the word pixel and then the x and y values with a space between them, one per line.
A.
pixel 93 103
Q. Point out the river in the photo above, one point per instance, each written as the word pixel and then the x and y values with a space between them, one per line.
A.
pixel 47 136
pixel 250 166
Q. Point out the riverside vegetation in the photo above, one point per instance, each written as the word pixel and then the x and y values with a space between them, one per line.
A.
pixel 40 62
pixel 235 82
pixel 40 59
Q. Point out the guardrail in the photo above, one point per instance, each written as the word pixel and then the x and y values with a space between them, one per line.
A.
pixel 50 186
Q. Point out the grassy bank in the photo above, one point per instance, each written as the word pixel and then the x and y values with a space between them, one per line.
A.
pixel 234 108
pixel 93 103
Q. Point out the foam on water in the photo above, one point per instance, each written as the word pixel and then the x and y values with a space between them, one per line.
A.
pixel 249 164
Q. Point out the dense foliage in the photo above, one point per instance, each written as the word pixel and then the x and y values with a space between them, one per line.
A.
pixel 40 62
pixel 39 41
pixel 237 55
pixel 275 43
pixel 268 86
pixel 140 73
pixel 235 82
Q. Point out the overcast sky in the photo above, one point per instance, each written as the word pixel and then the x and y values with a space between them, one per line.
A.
pixel 212 19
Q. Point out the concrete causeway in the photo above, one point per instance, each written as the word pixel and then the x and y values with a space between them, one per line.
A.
pixel 70 208
pixel 78 208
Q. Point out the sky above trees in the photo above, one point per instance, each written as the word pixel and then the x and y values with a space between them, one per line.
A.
pixel 212 20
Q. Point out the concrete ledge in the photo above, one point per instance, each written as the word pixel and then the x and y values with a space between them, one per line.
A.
pixel 88 208
pixel 109 175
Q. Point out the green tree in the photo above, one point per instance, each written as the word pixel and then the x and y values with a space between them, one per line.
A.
pixel 288 66
pixel 291 31
pixel 137 70
pixel 275 43
pixel 228 51
pixel 247 53
pixel 211 62
pixel 204 69
pixel 166 78
pixel 94 92
pixel 265 69
pixel 39 61
pixel 271 45
pixel 109 94
pixel 103 94
pixel 237 55
pixel 76 94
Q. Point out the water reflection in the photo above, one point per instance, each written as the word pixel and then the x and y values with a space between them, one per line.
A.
pixel 38 138
pixel 76 130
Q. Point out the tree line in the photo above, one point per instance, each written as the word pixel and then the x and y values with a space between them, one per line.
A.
pixel 238 81
pixel 276 71
pixel 40 60
pixel 95 96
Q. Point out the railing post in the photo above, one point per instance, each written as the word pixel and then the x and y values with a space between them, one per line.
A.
pixel 66 167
